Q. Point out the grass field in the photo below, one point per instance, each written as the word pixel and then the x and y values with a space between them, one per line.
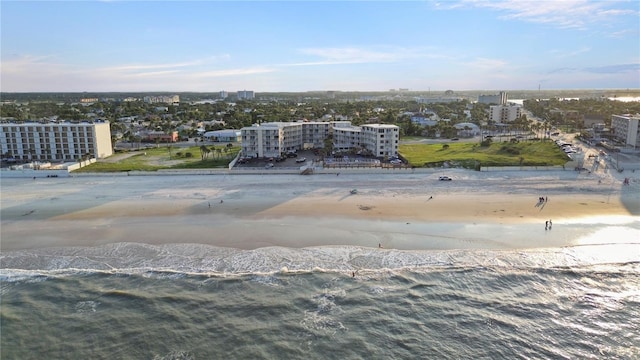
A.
pixel 159 158
pixel 468 155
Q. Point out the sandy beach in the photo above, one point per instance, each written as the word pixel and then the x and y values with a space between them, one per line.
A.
pixel 404 211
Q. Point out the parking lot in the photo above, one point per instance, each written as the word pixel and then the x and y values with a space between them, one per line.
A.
pixel 302 158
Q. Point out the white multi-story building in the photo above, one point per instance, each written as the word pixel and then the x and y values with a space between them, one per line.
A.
pixel 626 129
pixel 381 139
pixel 505 113
pixel 277 138
pixel 33 141
pixel 162 99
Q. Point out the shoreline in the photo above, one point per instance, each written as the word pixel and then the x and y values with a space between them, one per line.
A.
pixel 399 211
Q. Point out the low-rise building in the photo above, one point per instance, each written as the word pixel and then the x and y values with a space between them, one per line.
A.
pixel 227 135
pixel 161 136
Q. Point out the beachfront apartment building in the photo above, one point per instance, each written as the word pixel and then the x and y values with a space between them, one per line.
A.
pixel 625 129
pixel 381 140
pixel 277 138
pixel 501 114
pixel 57 142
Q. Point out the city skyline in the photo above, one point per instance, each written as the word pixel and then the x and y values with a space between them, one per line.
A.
pixel 294 46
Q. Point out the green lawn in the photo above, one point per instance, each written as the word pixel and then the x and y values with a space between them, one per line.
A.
pixel 158 158
pixel 537 153
pixel 468 155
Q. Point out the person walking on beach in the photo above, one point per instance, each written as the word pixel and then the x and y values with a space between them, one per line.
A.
pixel 550 224
pixel 546 225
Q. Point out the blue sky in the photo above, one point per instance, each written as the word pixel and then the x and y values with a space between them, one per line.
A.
pixel 269 46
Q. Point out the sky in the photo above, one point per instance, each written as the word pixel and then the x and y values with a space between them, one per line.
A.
pixel 295 46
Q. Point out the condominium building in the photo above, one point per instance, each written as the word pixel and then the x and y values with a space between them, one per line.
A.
pixel 625 129
pixel 57 142
pixel 277 138
pixel 505 113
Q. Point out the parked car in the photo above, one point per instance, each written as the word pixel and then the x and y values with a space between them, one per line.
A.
pixel 269 166
pixel 292 155
pixel 301 160
pixel 444 178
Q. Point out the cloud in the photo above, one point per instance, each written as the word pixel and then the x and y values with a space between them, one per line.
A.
pixel 484 63
pixel 562 70
pixel 349 55
pixel 566 53
pixel 623 33
pixel 234 72
pixel 354 55
pixel 154 66
pixel 614 69
pixel 42 73
pixel 576 14
pixel 606 69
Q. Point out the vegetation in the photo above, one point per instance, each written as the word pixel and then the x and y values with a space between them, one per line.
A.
pixel 468 155
pixel 159 158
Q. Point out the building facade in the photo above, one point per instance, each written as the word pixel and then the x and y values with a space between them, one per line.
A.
pixel 162 99
pixel 163 137
pixel 227 135
pixel 57 142
pixel 501 114
pixel 499 99
pixel 277 138
pixel 245 95
pixel 626 129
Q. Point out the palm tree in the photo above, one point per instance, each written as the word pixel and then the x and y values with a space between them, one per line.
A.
pixel 204 151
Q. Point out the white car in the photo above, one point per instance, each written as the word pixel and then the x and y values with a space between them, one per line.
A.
pixel 301 160
pixel 444 178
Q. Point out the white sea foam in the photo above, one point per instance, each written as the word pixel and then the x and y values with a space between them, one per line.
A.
pixel 174 261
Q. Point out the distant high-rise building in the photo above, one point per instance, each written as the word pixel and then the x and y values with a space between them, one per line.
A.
pixel 223 94
pixel 245 95
pixel 499 99
pixel 164 99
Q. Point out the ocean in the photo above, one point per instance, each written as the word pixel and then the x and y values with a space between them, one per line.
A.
pixel 188 301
